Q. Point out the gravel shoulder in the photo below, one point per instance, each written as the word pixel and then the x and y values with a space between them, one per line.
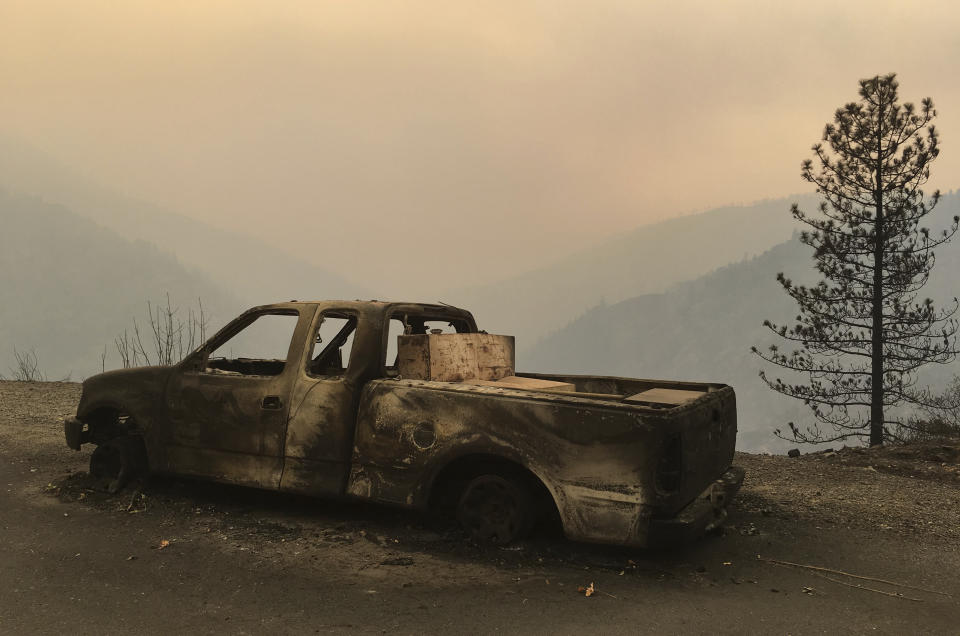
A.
pixel 184 556
pixel 909 495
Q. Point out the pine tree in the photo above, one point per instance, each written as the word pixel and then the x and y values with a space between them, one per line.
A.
pixel 861 333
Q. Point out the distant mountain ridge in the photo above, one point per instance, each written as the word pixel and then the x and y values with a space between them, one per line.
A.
pixel 69 286
pixel 242 265
pixel 703 330
pixel 646 260
pixel 683 298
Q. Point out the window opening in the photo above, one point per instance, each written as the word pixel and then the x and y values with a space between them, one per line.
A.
pixel 412 324
pixel 332 345
pixel 260 348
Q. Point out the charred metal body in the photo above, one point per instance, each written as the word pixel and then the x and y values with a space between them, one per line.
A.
pixel 614 470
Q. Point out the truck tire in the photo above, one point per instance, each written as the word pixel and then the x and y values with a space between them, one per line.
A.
pixel 495 509
pixel 118 460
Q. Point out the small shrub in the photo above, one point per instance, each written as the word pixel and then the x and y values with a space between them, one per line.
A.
pixel 939 417
pixel 928 429
pixel 165 341
pixel 27 367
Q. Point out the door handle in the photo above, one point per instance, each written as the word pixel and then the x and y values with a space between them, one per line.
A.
pixel 271 402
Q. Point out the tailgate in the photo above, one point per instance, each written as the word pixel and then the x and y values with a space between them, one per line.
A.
pixel 696 450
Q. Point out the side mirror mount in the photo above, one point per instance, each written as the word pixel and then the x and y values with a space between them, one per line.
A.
pixel 195 361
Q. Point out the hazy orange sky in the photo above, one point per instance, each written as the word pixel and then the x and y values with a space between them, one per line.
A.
pixel 455 141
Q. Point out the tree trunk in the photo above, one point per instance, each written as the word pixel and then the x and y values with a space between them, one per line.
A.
pixel 876 356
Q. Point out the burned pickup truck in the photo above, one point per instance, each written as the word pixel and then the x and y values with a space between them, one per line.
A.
pixel 411 405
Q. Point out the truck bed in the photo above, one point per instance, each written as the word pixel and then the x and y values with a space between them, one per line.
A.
pixel 612 465
pixel 665 393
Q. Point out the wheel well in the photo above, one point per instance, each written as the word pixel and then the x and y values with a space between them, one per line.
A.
pixel 107 422
pixel 119 460
pixel 449 482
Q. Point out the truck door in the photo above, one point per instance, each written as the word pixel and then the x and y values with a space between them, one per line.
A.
pixel 319 435
pixel 228 404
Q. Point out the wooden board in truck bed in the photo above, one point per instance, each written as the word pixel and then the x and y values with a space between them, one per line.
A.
pixel 526 384
pixel 670 397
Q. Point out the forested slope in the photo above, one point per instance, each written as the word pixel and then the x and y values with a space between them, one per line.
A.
pixel 68 286
pixel 648 259
pixel 703 330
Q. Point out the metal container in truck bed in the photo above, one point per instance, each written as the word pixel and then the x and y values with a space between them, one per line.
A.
pixel 617 460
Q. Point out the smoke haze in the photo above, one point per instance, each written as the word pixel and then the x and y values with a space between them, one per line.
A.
pixel 419 146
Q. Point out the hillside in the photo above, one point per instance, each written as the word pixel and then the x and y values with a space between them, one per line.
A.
pixel 646 260
pixel 68 286
pixel 703 330
pixel 241 265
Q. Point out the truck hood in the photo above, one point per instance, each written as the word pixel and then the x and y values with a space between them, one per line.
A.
pixel 130 390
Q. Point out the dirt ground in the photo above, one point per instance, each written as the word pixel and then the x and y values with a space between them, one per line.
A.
pixel 178 556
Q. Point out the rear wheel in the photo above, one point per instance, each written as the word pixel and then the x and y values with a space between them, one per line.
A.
pixel 495 509
pixel 117 461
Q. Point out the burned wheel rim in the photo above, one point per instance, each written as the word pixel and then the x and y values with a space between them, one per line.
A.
pixel 116 461
pixel 494 510
pixel 106 462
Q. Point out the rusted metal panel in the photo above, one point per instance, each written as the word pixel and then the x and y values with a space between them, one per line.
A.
pixel 231 427
pixel 455 357
pixel 319 432
pixel 601 474
pixel 137 393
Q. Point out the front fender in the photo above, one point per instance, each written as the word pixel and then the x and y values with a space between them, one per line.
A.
pixel 138 393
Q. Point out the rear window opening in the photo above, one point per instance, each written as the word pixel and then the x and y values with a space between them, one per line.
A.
pixel 405 324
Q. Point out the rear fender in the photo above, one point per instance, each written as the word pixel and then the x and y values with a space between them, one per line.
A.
pixel 412 486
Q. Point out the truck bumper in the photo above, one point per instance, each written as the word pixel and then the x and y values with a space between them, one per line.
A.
pixel 701 515
pixel 73 432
